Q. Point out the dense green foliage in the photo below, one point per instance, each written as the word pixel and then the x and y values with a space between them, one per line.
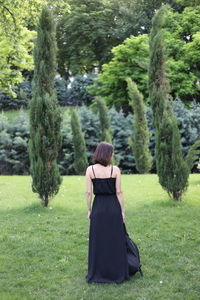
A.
pixel 86 33
pixel 23 94
pixel 157 83
pixel 122 128
pixel 45 117
pixel 188 2
pixel 61 90
pixel 78 93
pixel 18 21
pixel 132 56
pixel 130 60
pixel 182 41
pixel 140 142
pixel 172 170
pixel 16 40
pixel 74 93
pixel 80 156
pixel 15 57
pixel 144 11
pixel 92 28
pixel 188 124
pixel 193 154
pixel 14 137
pixel 66 153
pixel 106 134
pixel 90 124
pixel 83 36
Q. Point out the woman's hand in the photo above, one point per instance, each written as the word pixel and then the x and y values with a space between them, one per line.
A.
pixel 89 213
pixel 123 216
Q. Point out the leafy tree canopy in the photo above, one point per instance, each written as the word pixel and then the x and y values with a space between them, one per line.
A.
pixel 87 34
pixel 182 40
pixel 188 2
pixel 130 60
pixel 18 21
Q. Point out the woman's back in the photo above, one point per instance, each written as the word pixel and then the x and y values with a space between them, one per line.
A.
pixel 103 183
pixel 100 171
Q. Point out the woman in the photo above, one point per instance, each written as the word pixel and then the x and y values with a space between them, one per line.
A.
pixel 107 258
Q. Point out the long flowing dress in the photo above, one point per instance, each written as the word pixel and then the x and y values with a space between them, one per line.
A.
pixel 107 255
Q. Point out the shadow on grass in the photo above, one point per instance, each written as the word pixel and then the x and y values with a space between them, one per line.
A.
pixel 168 203
pixel 38 208
pixel 34 208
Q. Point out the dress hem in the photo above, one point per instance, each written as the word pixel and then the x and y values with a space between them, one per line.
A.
pixel 107 281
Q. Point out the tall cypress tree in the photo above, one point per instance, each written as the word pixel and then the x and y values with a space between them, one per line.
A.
pixel 106 134
pixel 172 170
pixel 158 85
pixel 45 117
pixel 140 142
pixel 80 154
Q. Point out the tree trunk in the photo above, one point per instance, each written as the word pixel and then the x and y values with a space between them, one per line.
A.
pixel 176 196
pixel 46 201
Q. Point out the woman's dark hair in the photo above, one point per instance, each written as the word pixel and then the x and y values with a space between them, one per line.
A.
pixel 103 153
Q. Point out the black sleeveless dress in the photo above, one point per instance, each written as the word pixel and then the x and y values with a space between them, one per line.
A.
pixel 107 256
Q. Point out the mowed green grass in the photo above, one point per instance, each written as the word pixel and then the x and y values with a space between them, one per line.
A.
pixel 13 114
pixel 43 251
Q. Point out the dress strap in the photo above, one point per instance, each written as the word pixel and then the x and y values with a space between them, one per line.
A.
pixel 111 171
pixel 93 172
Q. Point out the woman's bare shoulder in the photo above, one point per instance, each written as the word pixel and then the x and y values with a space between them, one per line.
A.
pixel 88 170
pixel 116 169
pixel 89 167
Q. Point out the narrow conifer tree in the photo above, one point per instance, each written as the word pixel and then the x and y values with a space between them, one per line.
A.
pixel 80 154
pixel 106 133
pixel 45 117
pixel 104 120
pixel 172 170
pixel 140 143
pixel 158 85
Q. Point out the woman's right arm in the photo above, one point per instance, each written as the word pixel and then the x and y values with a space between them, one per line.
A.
pixel 88 191
pixel 119 192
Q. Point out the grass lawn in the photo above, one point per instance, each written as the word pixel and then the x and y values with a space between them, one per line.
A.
pixel 43 253
pixel 13 114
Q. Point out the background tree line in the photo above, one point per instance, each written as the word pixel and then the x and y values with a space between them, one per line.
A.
pixel 14 138
pixel 102 37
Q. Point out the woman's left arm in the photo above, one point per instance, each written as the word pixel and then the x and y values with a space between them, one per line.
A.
pixel 88 191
